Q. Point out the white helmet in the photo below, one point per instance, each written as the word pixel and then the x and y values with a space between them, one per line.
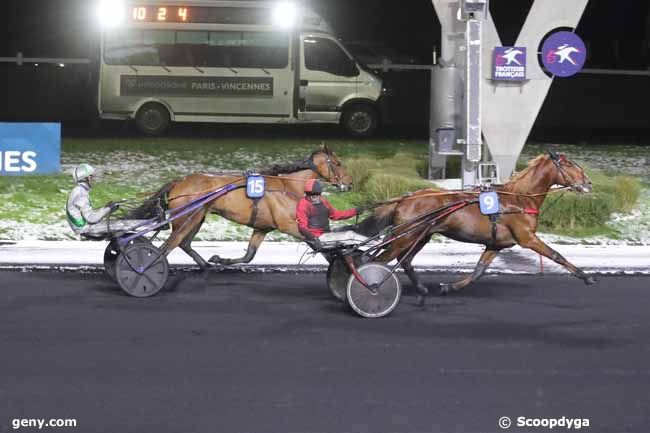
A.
pixel 82 172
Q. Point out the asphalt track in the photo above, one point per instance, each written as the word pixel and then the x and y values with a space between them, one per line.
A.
pixel 273 353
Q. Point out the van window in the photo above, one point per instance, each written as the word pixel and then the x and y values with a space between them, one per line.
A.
pixel 326 55
pixel 126 47
pixel 268 50
pixel 164 42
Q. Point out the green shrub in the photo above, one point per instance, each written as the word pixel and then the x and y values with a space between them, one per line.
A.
pixel 379 180
pixel 360 170
pixel 574 211
pixel 577 214
pixel 573 214
pixel 382 187
pixel 626 193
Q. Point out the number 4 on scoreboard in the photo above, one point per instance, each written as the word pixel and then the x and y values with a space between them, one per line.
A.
pixel 182 14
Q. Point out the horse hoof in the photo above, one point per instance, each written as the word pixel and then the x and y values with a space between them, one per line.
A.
pixel 445 288
pixel 420 301
pixel 590 281
pixel 215 260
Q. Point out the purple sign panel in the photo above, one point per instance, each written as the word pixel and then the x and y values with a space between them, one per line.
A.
pixel 509 64
pixel 564 54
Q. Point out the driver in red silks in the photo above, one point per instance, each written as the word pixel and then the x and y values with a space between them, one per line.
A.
pixel 313 215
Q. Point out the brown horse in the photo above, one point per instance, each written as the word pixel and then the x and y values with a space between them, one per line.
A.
pixel 520 200
pixel 275 211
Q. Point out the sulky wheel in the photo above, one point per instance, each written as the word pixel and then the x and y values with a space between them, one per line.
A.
pixel 111 253
pixel 141 270
pixel 337 278
pixel 338 275
pixel 110 257
pixel 378 301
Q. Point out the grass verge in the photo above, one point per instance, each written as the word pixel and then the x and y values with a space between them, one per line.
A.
pixel 33 207
pixel 583 215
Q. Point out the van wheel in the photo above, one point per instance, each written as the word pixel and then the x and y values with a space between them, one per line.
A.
pixel 360 120
pixel 152 119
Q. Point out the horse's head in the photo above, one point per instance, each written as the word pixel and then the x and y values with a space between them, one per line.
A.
pixel 569 173
pixel 328 166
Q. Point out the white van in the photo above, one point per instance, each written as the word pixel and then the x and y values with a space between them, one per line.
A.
pixel 230 62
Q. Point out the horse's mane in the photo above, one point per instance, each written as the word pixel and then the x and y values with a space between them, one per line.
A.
pixel 291 167
pixel 517 178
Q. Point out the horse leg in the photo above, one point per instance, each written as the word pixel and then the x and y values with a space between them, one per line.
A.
pixel 186 245
pixel 536 244
pixel 410 271
pixel 483 263
pixel 182 228
pixel 413 276
pixel 398 251
pixel 253 244
pixel 421 288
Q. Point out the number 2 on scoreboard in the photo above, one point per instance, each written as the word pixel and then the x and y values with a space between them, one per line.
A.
pixel 162 14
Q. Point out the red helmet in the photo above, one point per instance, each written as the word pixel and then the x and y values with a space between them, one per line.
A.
pixel 313 186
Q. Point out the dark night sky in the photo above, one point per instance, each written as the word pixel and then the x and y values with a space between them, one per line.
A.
pixel 66 28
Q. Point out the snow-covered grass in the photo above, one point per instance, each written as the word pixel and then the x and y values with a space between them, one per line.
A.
pixel 33 207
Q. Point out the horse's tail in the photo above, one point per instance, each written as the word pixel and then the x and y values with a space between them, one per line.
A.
pixel 152 206
pixel 381 218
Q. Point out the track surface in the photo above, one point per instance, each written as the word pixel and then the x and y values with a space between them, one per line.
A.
pixel 273 353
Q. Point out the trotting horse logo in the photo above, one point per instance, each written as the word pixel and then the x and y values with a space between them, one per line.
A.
pixel 509 63
pixel 564 54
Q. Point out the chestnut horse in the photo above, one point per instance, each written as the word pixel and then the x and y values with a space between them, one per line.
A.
pixel 275 211
pixel 520 200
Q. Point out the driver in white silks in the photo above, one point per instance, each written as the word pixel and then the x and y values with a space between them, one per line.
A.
pixel 89 222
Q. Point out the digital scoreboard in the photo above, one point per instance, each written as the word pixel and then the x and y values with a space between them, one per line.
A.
pixel 197 14
pixel 174 14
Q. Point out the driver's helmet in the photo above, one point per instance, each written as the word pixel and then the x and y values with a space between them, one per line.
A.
pixel 82 172
pixel 313 187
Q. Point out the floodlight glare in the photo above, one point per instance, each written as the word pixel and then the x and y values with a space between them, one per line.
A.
pixel 110 13
pixel 285 15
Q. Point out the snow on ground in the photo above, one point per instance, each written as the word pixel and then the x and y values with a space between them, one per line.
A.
pixel 153 170
pixel 454 257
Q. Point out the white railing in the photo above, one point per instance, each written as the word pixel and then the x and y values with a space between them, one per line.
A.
pixel 386 66
pixel 20 60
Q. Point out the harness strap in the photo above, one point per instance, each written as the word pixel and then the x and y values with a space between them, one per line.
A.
pixel 251 222
pixel 531 211
pixel 493 219
pixel 285 191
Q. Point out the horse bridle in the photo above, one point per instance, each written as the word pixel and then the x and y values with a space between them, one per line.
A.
pixel 330 169
pixel 557 160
